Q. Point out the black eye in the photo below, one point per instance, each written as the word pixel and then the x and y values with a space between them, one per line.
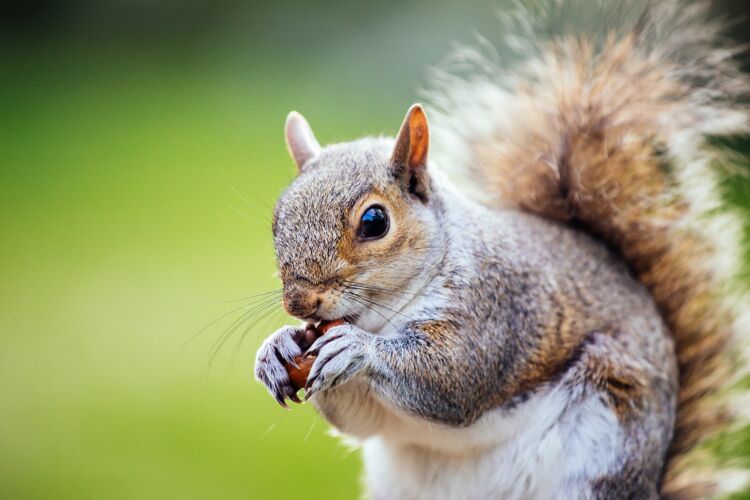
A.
pixel 374 223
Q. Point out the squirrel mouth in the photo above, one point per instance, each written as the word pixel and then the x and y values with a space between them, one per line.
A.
pixel 318 323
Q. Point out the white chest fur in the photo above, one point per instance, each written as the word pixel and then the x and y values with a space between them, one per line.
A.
pixel 544 448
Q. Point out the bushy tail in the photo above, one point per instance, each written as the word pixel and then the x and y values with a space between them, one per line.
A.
pixel 602 115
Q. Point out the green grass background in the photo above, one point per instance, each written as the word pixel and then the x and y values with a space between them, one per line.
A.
pixel 133 202
pixel 136 187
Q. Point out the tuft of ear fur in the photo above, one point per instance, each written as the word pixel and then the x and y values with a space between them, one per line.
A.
pixel 300 139
pixel 409 156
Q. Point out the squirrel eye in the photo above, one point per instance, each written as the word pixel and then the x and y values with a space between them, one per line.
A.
pixel 374 223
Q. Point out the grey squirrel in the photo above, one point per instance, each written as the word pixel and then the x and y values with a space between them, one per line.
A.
pixel 556 323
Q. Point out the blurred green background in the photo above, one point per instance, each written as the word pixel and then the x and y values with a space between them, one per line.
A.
pixel 141 151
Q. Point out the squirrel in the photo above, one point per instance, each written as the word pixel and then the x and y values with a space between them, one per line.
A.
pixel 542 306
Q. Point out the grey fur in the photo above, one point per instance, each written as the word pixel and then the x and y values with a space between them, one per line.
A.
pixel 498 273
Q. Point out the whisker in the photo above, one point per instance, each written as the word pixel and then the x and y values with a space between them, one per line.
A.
pixel 365 305
pixel 266 213
pixel 264 223
pixel 363 286
pixel 391 291
pixel 254 297
pixel 244 318
pixel 377 304
pixel 270 313
pixel 252 303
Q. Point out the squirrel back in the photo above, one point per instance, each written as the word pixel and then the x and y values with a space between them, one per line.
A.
pixel 615 139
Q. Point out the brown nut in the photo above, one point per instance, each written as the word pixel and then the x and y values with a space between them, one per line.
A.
pixel 298 374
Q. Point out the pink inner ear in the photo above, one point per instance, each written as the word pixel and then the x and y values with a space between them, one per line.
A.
pixel 300 139
pixel 419 138
pixel 299 143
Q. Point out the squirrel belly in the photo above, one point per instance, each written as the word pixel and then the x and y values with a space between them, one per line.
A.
pixel 544 452
pixel 561 325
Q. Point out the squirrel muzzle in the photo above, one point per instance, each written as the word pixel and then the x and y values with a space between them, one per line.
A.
pixel 302 302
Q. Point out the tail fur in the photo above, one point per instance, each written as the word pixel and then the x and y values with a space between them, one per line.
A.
pixel 601 115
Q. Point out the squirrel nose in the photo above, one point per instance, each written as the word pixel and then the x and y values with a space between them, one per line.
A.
pixel 301 303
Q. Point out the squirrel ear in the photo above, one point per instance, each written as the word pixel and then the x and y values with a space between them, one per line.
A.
pixel 409 156
pixel 300 139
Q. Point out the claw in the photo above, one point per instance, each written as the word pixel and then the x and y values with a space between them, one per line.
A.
pixel 280 399
pixel 293 396
pixel 277 352
pixel 310 382
pixel 321 363
pixel 291 393
pixel 286 356
pixel 292 362
pixel 320 343
pixel 309 394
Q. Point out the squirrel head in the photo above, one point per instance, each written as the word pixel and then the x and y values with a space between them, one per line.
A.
pixel 355 225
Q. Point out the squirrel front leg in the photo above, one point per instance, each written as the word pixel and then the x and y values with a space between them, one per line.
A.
pixel 410 371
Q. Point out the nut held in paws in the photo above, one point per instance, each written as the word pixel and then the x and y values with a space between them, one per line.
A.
pixel 298 375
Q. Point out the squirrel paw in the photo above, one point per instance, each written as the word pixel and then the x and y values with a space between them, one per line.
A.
pixel 341 354
pixel 279 349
